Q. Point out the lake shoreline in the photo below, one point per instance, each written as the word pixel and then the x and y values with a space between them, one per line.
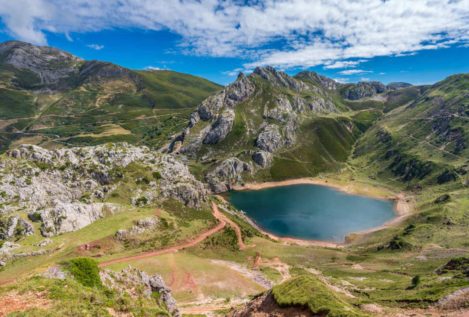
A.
pixel 402 208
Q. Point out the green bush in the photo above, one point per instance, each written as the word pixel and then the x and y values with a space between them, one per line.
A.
pixel 415 282
pixel 85 271
pixel 156 175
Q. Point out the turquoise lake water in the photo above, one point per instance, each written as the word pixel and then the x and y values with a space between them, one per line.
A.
pixel 312 211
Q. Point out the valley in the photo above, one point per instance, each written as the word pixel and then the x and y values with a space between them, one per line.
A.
pixel 103 168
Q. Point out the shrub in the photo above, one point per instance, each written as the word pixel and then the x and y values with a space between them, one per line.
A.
pixel 442 199
pixel 35 216
pixel 415 282
pixel 398 243
pixel 85 271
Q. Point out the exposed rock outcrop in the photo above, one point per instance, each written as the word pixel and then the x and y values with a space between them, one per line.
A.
pixel 270 139
pixel 67 217
pixel 140 226
pixel 262 158
pixel 229 97
pixel 220 128
pixel 52 185
pixel 137 283
pixel 363 89
pixel 14 226
pixel 52 69
pixel 41 61
pixel 226 174
pixel 323 81
pixel 279 78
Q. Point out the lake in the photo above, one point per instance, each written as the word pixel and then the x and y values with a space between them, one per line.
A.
pixel 312 211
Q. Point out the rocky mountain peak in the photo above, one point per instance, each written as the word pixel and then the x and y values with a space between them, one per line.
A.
pixel 93 71
pixel 363 89
pixel 49 64
pixel 397 85
pixel 279 78
pixel 323 81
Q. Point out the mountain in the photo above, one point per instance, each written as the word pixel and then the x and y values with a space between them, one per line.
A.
pixel 272 126
pixel 78 206
pixel 425 141
pixel 51 97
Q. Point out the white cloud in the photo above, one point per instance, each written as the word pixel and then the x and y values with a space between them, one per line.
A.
pixel 153 68
pixel 310 32
pixel 342 80
pixel 96 47
pixel 354 72
pixel 342 64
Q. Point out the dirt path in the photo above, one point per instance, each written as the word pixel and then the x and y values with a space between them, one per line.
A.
pixel 232 224
pixel 223 221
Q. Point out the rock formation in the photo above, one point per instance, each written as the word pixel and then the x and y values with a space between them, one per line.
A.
pixel 65 188
pixel 138 283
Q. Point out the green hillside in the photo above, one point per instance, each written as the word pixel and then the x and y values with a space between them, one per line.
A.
pixel 79 102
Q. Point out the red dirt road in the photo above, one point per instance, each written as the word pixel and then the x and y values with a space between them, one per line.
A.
pixel 223 220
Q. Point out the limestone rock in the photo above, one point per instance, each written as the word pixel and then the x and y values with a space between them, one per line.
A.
pixel 226 174
pixel 220 128
pixel 140 226
pixel 55 272
pixel 363 89
pixel 262 158
pixel 15 226
pixel 66 217
pixel 314 77
pixel 270 138
pixel 41 61
pixel 279 78
pixel 137 283
pixel 51 183
pixel 282 110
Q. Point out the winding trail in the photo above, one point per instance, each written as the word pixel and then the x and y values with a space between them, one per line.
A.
pixel 223 221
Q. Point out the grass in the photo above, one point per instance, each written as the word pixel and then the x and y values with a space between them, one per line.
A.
pixel 192 277
pixel 69 297
pixel 85 271
pixel 308 291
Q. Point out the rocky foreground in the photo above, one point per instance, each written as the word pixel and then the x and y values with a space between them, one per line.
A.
pixel 66 189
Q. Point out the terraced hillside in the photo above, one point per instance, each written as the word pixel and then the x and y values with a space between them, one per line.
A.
pixel 53 98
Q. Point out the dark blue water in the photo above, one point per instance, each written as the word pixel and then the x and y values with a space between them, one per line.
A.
pixel 312 211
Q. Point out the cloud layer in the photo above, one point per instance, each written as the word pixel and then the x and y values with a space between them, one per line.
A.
pixel 282 33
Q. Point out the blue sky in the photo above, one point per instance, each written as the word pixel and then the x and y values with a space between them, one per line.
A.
pixel 419 41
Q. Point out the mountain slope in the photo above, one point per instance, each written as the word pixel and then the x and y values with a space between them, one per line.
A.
pixel 269 125
pixel 52 98
pixel 426 140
